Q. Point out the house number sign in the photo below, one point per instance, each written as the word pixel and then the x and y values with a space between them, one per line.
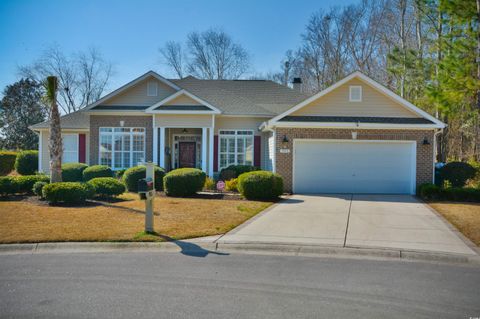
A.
pixel 284 150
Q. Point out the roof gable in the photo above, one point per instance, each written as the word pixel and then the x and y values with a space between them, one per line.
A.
pixel 377 101
pixel 183 102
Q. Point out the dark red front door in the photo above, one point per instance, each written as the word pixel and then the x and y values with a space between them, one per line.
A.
pixel 186 154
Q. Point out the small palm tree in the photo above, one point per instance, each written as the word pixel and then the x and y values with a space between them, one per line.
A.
pixel 55 145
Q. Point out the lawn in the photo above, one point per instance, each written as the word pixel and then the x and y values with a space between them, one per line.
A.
pixel 33 221
pixel 464 216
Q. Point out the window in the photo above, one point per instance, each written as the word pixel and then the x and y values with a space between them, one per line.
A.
pixel 122 147
pixel 236 148
pixel 152 88
pixel 70 148
pixel 355 93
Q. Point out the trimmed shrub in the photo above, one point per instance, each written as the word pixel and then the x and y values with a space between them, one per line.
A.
pixel 38 187
pixel 232 185
pixel 67 192
pixel 210 184
pixel 467 194
pixel 26 162
pixel 73 172
pixel 429 191
pixel 183 182
pixel 458 173
pixel 8 185
pixel 233 171
pixel 96 171
pixel 25 183
pixel 7 162
pixel 119 173
pixel 134 174
pixel 107 186
pixel 260 185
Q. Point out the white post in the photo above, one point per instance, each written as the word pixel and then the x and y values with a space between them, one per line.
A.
pixel 150 197
pixel 204 149
pixel 40 151
pixel 162 147
pixel 155 143
pixel 210 153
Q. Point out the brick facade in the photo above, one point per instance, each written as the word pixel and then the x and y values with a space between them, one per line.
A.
pixel 284 161
pixel 97 121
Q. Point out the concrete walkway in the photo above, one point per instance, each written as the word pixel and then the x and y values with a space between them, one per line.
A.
pixel 357 221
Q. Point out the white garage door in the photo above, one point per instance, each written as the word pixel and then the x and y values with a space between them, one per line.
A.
pixel 370 167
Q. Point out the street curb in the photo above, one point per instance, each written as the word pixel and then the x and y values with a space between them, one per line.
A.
pixel 193 247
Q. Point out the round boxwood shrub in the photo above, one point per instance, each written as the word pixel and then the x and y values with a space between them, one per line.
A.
pixel 107 186
pixel 7 162
pixel 134 174
pixel 97 171
pixel 8 185
pixel 183 182
pixel 26 162
pixel 67 192
pixel 260 185
pixel 25 183
pixel 429 191
pixel 73 172
pixel 38 187
pixel 458 173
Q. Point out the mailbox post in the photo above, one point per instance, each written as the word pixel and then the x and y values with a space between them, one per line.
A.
pixel 146 189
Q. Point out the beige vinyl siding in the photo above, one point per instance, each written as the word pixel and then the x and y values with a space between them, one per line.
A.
pixel 183 100
pixel 238 123
pixel 45 154
pixel 374 103
pixel 137 94
pixel 187 120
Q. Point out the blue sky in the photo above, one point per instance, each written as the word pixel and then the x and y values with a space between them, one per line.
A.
pixel 129 33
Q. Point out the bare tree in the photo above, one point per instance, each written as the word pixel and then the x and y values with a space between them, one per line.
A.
pixel 211 54
pixel 172 54
pixel 82 77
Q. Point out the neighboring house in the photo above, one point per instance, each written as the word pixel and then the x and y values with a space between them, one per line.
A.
pixel 354 137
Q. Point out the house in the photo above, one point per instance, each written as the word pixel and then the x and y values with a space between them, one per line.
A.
pixel 353 137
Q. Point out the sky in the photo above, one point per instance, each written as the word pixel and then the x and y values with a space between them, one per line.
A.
pixel 129 33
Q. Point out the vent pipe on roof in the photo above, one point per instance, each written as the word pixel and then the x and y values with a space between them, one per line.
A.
pixel 297 84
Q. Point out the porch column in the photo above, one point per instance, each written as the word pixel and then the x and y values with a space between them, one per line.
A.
pixel 210 153
pixel 162 147
pixel 204 149
pixel 155 145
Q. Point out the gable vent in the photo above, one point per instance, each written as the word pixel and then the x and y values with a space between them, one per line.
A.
pixel 152 88
pixel 355 93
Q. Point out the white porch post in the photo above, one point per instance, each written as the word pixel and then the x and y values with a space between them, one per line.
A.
pixel 155 143
pixel 210 153
pixel 40 151
pixel 204 149
pixel 162 146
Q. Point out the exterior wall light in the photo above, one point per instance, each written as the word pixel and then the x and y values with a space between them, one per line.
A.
pixel 426 141
pixel 285 141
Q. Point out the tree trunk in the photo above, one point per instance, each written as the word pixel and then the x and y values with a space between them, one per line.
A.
pixel 55 145
pixel 403 9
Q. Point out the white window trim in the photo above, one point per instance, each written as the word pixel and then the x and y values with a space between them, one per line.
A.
pixel 112 166
pixel 220 135
pixel 155 86
pixel 76 151
pixel 352 87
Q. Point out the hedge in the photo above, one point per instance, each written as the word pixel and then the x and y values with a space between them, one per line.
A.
pixel 7 162
pixel 38 188
pixel 233 171
pixel 96 171
pixel 134 174
pixel 107 186
pixel 183 182
pixel 260 185
pixel 458 173
pixel 10 185
pixel 73 172
pixel 434 192
pixel 67 192
pixel 26 162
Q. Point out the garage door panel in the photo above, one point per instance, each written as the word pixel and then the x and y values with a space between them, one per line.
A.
pixel 353 167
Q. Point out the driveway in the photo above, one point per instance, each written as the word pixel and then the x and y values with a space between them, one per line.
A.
pixel 364 221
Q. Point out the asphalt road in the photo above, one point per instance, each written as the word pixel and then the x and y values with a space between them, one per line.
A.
pixel 172 285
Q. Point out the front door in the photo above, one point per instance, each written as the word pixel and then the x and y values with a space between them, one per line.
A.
pixel 186 154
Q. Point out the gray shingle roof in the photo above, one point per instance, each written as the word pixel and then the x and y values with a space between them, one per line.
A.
pixel 121 107
pixel 183 108
pixel 355 119
pixel 243 97
pixel 75 120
